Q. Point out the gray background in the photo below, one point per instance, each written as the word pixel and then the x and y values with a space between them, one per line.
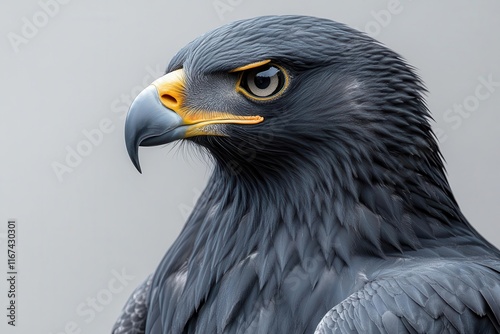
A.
pixel 90 57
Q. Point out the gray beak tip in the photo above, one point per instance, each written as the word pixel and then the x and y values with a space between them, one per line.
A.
pixel 149 123
pixel 136 163
pixel 132 143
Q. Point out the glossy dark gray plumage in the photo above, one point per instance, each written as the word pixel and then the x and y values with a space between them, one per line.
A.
pixel 335 213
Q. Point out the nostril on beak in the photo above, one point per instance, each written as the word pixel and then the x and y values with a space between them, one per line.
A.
pixel 169 100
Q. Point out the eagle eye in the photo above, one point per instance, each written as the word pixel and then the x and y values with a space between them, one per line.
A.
pixel 263 83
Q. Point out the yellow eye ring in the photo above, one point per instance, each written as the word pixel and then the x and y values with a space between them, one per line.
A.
pixel 263 83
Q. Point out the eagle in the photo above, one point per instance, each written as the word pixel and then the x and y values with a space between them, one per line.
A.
pixel 328 209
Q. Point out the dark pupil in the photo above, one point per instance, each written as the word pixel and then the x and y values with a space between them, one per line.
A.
pixel 263 78
pixel 262 81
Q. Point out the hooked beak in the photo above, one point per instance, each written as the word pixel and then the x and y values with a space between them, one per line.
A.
pixel 158 116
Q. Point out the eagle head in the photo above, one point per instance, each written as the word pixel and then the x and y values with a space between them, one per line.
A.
pixel 276 95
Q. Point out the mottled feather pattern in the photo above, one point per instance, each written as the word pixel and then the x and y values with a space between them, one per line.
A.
pixel 425 297
pixel 133 317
